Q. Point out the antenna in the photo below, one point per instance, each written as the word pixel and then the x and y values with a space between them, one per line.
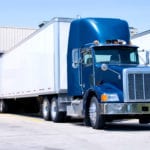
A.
pixel 78 16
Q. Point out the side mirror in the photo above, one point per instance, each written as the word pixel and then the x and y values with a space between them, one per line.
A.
pixel 147 57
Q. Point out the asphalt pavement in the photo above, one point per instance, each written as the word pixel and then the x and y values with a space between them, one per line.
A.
pixel 20 132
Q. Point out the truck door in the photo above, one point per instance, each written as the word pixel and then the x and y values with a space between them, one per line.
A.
pixel 87 77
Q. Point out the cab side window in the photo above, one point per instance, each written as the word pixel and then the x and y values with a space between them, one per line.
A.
pixel 87 58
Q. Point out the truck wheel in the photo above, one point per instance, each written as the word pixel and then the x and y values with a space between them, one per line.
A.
pixel 144 120
pixel 3 106
pixel 96 119
pixel 56 115
pixel 46 109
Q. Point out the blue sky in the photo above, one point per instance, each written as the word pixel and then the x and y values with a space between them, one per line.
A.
pixel 30 13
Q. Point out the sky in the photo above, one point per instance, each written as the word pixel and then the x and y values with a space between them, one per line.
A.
pixel 30 13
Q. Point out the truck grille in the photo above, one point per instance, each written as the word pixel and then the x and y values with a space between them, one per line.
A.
pixel 138 86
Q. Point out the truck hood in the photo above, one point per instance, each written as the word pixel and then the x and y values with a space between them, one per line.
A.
pixel 111 80
pixel 113 75
pixel 120 68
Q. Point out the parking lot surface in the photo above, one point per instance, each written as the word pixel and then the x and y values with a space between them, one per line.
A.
pixel 19 132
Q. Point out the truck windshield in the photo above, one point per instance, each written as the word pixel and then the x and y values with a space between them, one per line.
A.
pixel 116 55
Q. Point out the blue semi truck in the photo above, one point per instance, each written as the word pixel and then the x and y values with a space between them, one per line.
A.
pixel 84 68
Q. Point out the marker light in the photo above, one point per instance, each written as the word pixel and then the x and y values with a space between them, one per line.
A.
pixel 104 97
pixel 109 97
pixel 116 41
pixel 96 42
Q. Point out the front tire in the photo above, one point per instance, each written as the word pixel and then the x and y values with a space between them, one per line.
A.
pixel 144 119
pixel 96 119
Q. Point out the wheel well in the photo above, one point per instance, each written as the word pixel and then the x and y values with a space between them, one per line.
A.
pixel 41 99
pixel 49 97
pixel 90 94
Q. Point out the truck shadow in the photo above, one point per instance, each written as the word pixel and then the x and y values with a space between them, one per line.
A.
pixel 118 126
pixel 127 127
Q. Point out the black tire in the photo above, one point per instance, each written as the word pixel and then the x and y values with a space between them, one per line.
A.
pixel 3 106
pixel 56 115
pixel 96 119
pixel 144 120
pixel 46 106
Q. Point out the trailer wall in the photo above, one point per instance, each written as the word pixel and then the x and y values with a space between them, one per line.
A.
pixel 37 66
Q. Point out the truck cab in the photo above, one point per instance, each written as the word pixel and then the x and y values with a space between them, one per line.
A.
pixel 103 62
pixel 104 72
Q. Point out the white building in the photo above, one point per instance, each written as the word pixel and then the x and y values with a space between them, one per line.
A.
pixel 133 31
pixel 142 40
pixel 10 36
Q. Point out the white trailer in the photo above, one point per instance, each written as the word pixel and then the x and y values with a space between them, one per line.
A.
pixel 143 41
pixel 42 56
pixel 39 67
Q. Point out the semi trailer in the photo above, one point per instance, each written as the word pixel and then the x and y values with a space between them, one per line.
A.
pixel 85 68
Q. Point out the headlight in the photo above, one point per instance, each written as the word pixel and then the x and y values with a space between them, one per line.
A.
pixel 109 97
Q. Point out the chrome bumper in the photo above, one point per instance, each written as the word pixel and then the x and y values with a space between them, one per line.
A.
pixel 124 108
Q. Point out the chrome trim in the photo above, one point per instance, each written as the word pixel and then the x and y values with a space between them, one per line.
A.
pixel 124 108
pixel 134 71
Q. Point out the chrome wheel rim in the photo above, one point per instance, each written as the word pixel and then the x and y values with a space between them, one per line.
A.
pixel 1 106
pixel 92 113
pixel 53 109
pixel 45 108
